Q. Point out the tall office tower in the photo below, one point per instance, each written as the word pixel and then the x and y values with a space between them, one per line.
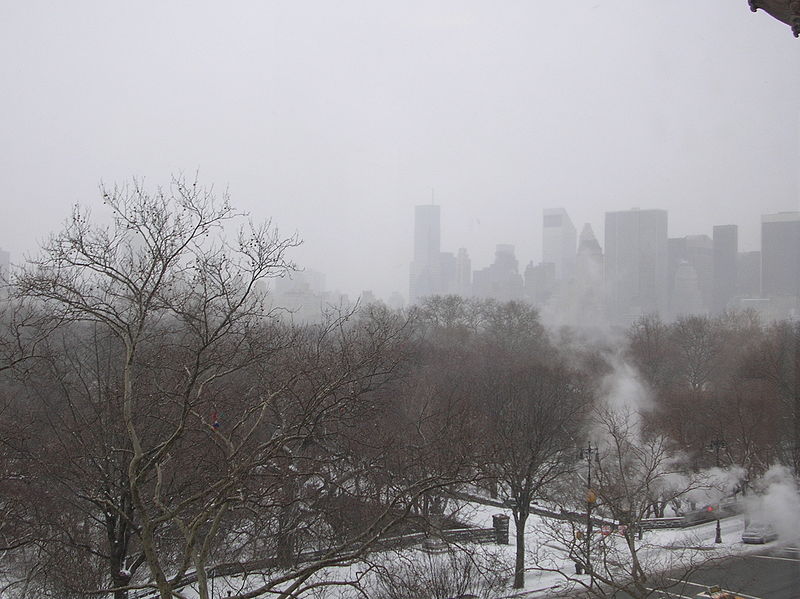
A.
pixel 700 254
pixel 425 273
pixel 676 254
pixel 559 239
pixel 501 280
pixel 780 255
pixel 686 298
pixel 540 282
pixel 463 273
pixel 588 288
pixel 448 272
pixel 726 250
pixel 697 251
pixel 589 260
pixel 636 263
pixel 748 274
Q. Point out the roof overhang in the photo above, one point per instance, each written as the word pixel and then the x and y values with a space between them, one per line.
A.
pixel 787 11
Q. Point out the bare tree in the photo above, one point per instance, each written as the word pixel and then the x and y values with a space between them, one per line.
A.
pixel 698 340
pixel 632 470
pixel 652 351
pixel 201 437
pixel 160 274
pixel 533 414
pixel 456 572
pixel 776 362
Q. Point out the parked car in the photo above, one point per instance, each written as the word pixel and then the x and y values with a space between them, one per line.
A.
pixel 759 533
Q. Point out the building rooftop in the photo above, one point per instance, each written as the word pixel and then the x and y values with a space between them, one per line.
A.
pixel 781 217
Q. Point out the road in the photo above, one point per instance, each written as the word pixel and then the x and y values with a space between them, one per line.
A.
pixel 770 574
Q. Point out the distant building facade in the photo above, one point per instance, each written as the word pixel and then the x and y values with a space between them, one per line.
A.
pixel 780 255
pixel 748 275
pixel 588 291
pixel 501 280
pixel 559 240
pixel 463 273
pixel 686 298
pixel 696 251
pixel 426 266
pixel 540 282
pixel 726 251
pixel 301 296
pixel 636 263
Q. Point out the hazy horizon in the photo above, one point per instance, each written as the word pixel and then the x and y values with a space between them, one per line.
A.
pixel 335 120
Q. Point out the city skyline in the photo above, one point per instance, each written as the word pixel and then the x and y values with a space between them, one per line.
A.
pixel 335 120
pixel 642 269
pixel 457 262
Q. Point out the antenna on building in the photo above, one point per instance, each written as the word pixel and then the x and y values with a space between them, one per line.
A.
pixel 433 196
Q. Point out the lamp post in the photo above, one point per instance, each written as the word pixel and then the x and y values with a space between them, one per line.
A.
pixel 586 454
pixel 715 445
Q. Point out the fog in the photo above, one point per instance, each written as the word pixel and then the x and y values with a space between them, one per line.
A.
pixel 336 119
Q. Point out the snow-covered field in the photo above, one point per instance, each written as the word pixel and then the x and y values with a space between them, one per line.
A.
pixel 547 564
pixel 664 548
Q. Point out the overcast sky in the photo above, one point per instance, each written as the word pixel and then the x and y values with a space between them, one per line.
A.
pixel 335 118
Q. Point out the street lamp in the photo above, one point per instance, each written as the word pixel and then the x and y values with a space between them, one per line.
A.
pixel 586 454
pixel 715 446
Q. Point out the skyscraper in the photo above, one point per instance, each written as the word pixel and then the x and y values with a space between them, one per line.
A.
pixel 700 254
pixel 586 296
pixel 726 251
pixel 425 273
pixel 696 252
pixel 501 280
pixel 559 241
pixel 540 282
pixel 686 298
pixel 748 274
pixel 636 263
pixel 463 273
pixel 780 255
pixel 448 272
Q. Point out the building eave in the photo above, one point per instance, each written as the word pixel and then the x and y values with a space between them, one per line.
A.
pixel 786 11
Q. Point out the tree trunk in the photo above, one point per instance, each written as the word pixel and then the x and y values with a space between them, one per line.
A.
pixel 519 563
pixel 638 574
pixel 202 584
pixel 285 550
pixel 117 555
pixel 120 580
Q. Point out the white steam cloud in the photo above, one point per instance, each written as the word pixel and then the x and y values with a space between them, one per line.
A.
pixel 776 502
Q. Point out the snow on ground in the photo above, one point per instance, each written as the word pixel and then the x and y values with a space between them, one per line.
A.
pixel 664 548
